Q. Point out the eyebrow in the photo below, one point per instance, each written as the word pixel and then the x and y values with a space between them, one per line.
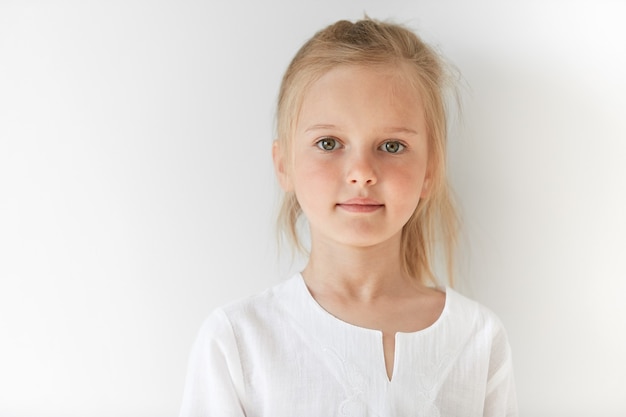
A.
pixel 393 129
pixel 320 127
pixel 400 129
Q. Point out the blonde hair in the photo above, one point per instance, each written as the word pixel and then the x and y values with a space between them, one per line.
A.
pixel 374 43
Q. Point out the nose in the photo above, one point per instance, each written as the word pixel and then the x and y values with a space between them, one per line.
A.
pixel 361 170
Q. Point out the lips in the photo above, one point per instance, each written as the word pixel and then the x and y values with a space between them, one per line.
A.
pixel 360 205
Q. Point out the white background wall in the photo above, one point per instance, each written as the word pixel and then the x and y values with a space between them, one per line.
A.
pixel 137 193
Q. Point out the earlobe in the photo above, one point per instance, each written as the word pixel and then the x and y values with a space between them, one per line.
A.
pixel 280 167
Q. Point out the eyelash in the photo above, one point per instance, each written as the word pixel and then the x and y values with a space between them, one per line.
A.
pixel 336 144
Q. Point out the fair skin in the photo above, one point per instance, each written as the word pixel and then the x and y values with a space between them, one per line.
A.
pixel 359 168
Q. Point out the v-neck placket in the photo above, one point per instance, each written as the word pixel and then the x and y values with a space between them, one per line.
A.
pixel 362 380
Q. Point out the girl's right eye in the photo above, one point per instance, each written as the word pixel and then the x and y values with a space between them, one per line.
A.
pixel 327 144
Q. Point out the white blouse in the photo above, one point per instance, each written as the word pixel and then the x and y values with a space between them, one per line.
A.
pixel 281 354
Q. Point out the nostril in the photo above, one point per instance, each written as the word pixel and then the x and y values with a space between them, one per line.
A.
pixel 368 181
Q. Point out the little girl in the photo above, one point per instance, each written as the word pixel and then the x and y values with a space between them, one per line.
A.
pixel 363 330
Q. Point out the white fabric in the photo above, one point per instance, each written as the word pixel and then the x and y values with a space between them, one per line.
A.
pixel 281 354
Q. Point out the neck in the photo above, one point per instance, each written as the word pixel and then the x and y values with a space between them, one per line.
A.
pixel 363 273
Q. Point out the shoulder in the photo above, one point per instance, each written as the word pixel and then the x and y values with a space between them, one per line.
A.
pixel 252 312
pixel 481 347
pixel 472 315
pixel 267 300
pixel 478 331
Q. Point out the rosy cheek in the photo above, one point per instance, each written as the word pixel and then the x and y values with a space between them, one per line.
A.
pixel 409 180
pixel 311 174
pixel 319 168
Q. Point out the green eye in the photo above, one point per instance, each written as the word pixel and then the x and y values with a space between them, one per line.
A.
pixel 327 144
pixel 392 147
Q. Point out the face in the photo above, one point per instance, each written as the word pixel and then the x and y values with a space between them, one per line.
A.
pixel 359 163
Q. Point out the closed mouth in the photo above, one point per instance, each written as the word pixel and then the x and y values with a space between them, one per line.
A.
pixel 360 205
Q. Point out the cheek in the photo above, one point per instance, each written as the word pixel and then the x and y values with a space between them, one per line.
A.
pixel 312 170
pixel 312 179
pixel 407 183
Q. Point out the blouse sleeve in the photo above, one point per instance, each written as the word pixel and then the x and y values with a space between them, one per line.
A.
pixel 500 399
pixel 214 377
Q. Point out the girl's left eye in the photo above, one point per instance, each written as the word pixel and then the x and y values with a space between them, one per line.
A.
pixel 392 146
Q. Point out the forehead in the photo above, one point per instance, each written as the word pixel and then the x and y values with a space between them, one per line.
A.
pixel 383 93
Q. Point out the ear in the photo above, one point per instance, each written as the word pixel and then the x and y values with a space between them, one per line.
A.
pixel 427 184
pixel 282 174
